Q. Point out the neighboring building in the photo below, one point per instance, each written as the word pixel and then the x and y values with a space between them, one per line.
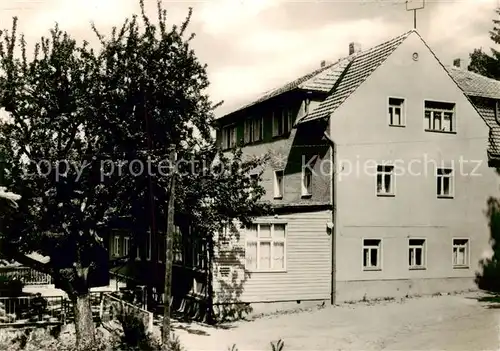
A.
pixel 394 109
pixel 145 267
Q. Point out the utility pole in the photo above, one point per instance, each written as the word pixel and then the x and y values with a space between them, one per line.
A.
pixel 415 5
pixel 169 251
pixel 152 236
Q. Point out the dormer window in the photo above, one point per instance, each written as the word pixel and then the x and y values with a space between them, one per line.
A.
pixel 282 122
pixel 253 130
pixel 229 137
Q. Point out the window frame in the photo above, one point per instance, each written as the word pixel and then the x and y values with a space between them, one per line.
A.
pixel 379 250
pixel 440 178
pixel 278 196
pixel 271 240
pixel 250 128
pixel 467 253
pixel 126 246
pixel 260 127
pixel 116 245
pixel 305 192
pixel 285 114
pixel 402 113
pixel 392 173
pixel 422 246
pixel 453 120
pixel 227 141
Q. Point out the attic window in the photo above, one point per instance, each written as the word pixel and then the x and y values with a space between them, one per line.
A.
pixel 253 130
pixel 282 122
pixel 229 137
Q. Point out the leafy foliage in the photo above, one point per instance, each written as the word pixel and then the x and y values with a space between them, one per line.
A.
pixel 484 64
pixel 80 120
pixel 489 278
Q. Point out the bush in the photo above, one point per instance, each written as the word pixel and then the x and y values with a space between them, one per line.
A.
pixel 48 339
pixel 135 335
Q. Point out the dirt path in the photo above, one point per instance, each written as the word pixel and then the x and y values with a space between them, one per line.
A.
pixel 432 323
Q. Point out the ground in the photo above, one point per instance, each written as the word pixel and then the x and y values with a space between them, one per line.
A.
pixel 451 322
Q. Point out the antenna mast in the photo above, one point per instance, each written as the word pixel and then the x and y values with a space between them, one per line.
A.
pixel 415 5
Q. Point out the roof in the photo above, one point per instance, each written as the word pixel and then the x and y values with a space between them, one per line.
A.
pixel 474 84
pixel 320 80
pixel 361 67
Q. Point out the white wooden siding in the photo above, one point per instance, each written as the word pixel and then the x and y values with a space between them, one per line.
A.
pixel 308 266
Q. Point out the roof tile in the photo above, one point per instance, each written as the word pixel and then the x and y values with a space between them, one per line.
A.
pixel 322 80
pixel 362 66
pixel 474 84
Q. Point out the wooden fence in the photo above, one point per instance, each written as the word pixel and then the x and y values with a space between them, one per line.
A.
pixel 26 310
pixel 112 307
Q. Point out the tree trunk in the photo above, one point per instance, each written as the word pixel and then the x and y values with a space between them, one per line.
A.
pixel 84 324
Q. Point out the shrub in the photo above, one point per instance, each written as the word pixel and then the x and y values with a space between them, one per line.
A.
pixel 135 336
pixel 42 339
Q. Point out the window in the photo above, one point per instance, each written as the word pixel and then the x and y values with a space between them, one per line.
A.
pixel 444 177
pixel 178 245
pixel 396 112
pixel 278 184
pixel 282 122
pixel 116 246
pixel 199 249
pixel 265 247
pixel 229 137
pixel 439 116
pixel 416 254
pixel 126 246
pixel 372 254
pixel 306 181
pixel 460 253
pixel 253 130
pixel 385 180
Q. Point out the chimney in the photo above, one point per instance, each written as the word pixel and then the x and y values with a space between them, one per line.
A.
pixel 457 62
pixel 323 63
pixel 354 48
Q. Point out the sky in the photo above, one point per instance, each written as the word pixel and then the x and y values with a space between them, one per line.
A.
pixel 251 46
